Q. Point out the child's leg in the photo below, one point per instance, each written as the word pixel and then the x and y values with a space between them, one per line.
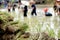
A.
pixel 25 13
pixel 8 10
pixel 32 13
pixel 35 13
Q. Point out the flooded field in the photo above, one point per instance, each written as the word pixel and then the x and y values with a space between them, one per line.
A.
pixel 40 23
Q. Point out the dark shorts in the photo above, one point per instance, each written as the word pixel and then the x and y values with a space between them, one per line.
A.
pixel 49 14
pixel 8 10
pixel 33 12
pixel 25 13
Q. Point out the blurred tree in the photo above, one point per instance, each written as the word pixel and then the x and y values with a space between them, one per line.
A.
pixel 50 1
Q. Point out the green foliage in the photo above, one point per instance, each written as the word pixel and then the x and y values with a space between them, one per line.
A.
pixel 5 17
pixel 25 26
pixel 7 23
pixel 59 34
pixel 51 33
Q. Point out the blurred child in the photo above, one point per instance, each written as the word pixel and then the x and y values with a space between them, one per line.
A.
pixel 19 3
pixel 33 10
pixel 46 12
pixel 58 6
pixel 9 6
pixel 25 10
pixel 14 6
pixel 55 7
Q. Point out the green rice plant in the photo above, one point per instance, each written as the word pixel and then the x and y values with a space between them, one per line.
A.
pixel 51 33
pixel 24 27
pixel 7 23
pixel 59 34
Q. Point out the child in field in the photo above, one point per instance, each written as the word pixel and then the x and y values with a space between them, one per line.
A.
pixel 9 6
pixel 25 10
pixel 46 12
pixel 58 6
pixel 33 10
pixel 14 6
pixel 55 7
